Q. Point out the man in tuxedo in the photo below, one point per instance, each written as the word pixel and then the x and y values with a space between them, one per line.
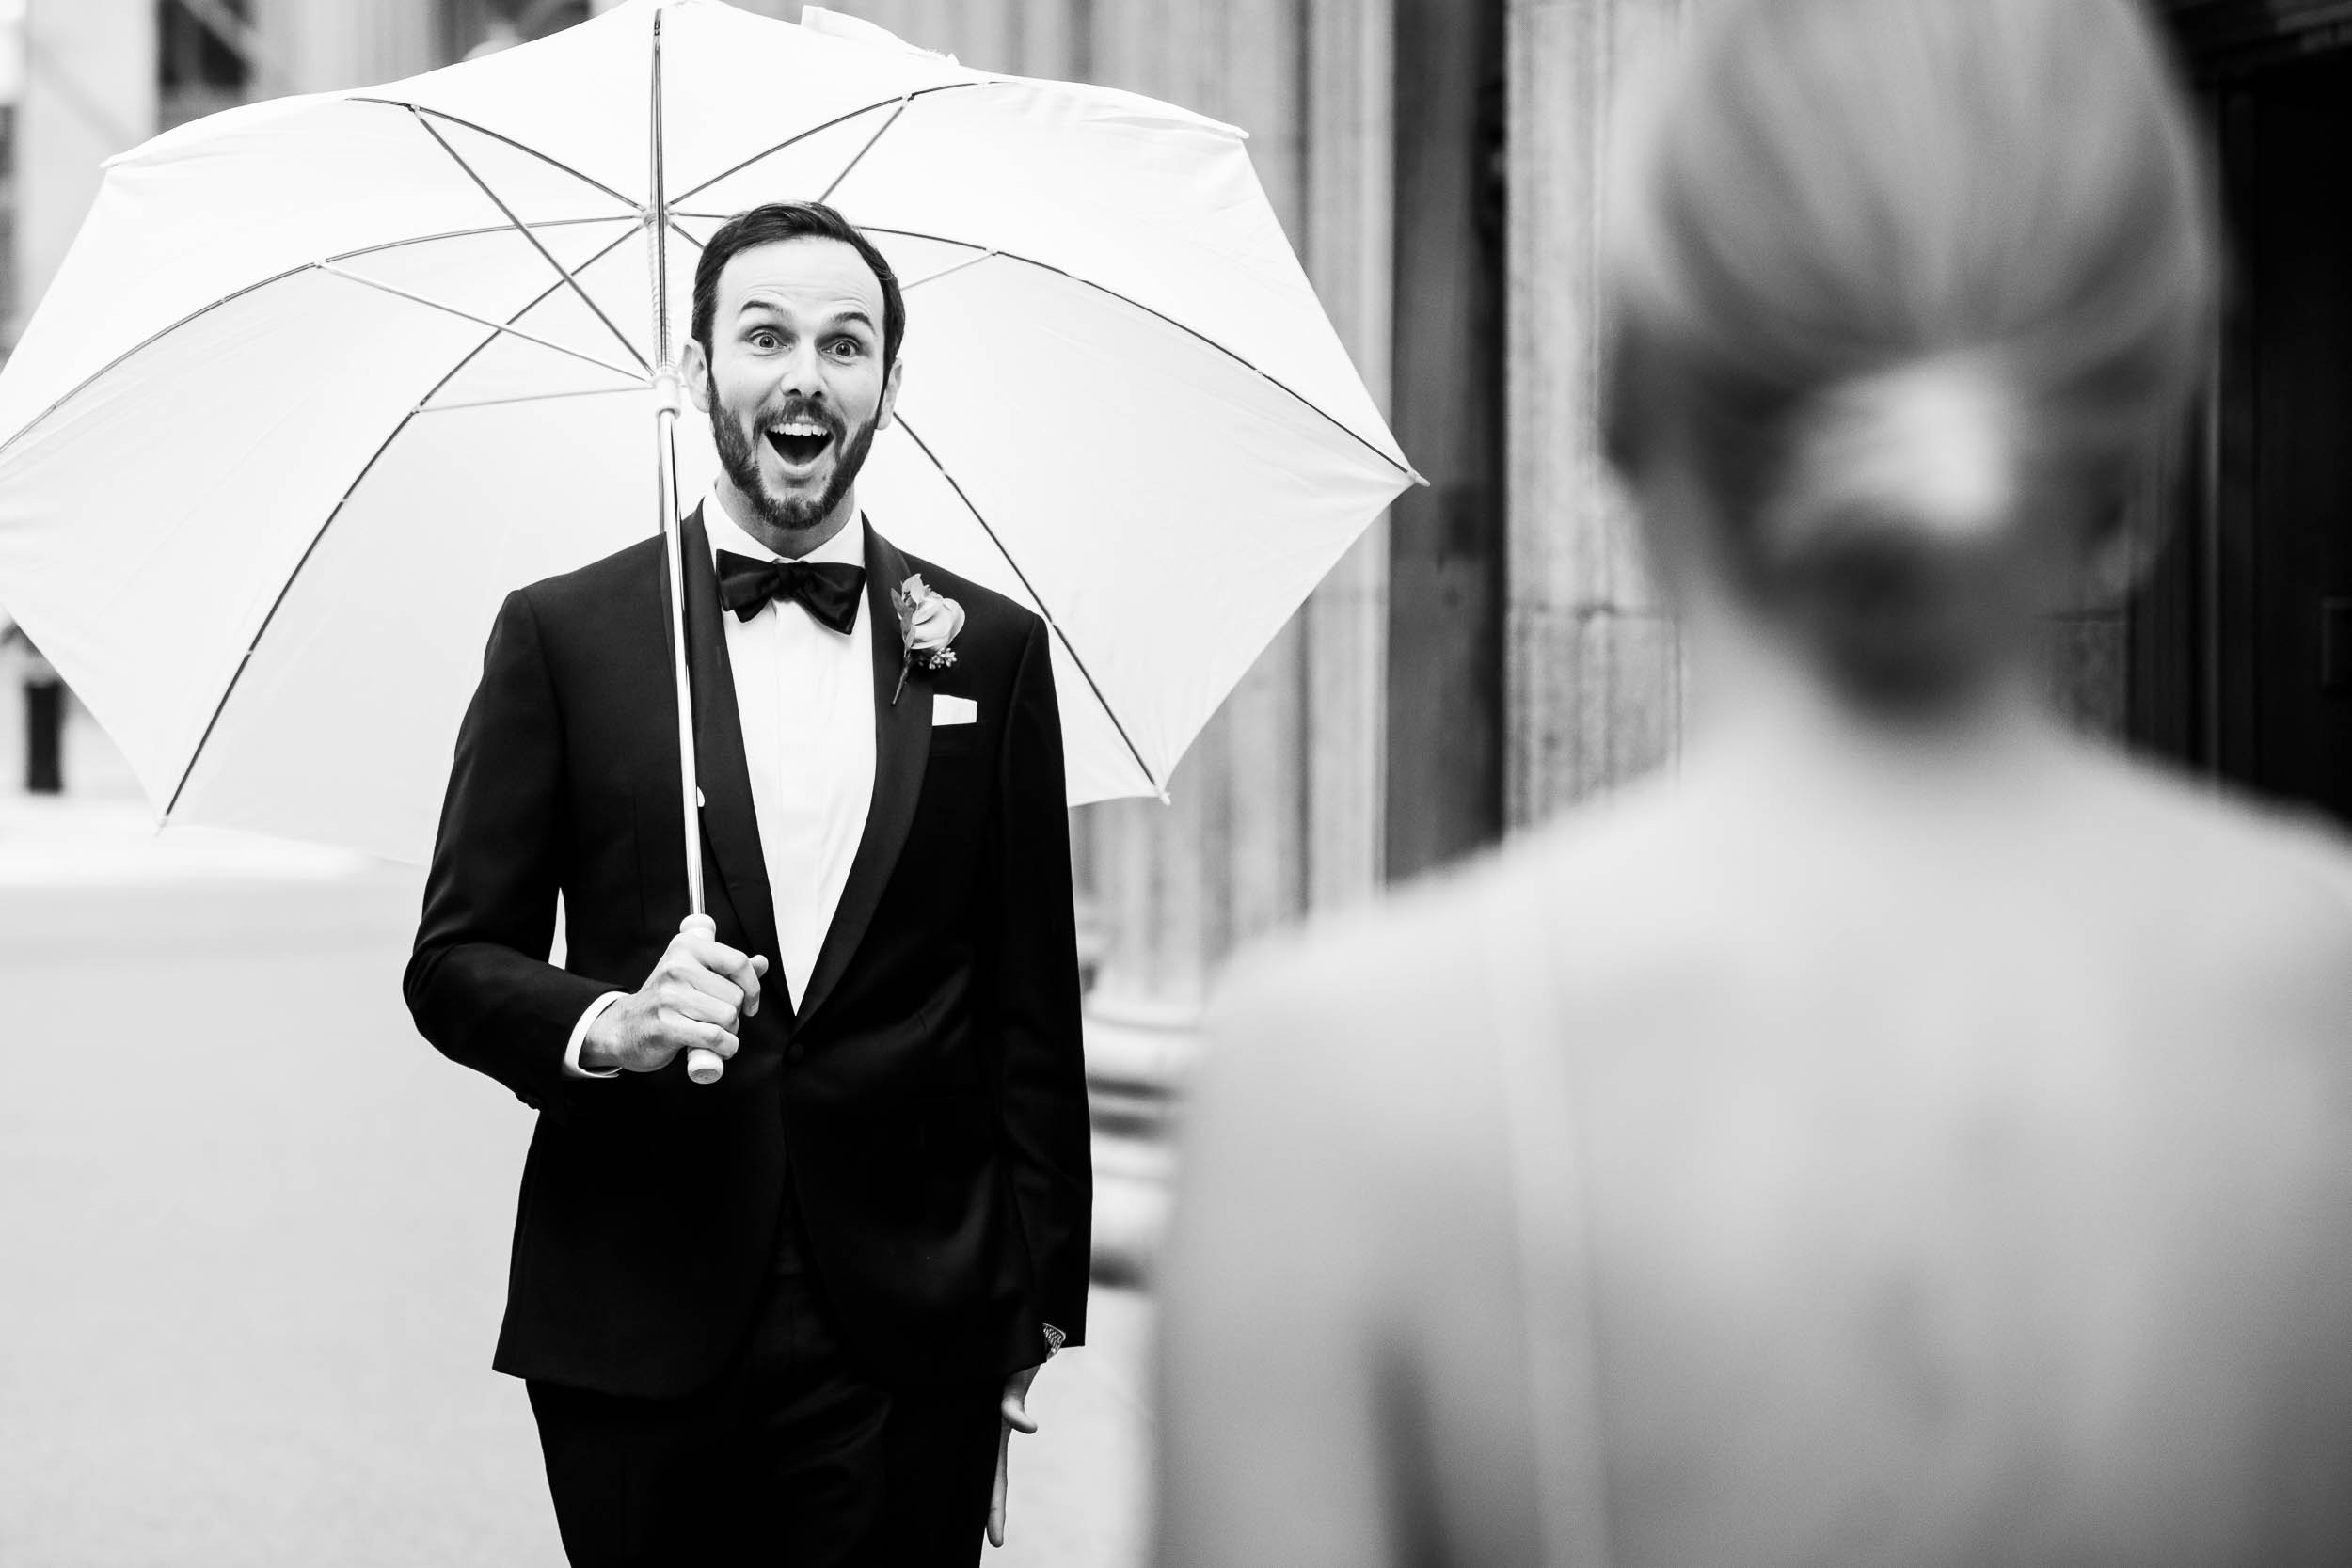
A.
pixel 786 1317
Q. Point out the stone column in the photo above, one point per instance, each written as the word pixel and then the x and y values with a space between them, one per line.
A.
pixel 1350 250
pixel 89 92
pixel 1593 666
pixel 1177 886
pixel 347 43
pixel 1278 805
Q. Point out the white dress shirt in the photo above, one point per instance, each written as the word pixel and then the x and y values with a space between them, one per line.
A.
pixel 805 695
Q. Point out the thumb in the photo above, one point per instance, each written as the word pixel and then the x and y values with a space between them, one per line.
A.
pixel 698 925
pixel 1015 1411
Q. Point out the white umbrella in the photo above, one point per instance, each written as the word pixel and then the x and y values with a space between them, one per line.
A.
pixel 322 378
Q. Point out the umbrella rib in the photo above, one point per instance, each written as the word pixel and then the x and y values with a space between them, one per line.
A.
pixel 526 397
pixel 259 283
pixel 588 180
pixel 536 244
pixel 910 286
pixel 635 377
pixel 799 136
pixel 1043 609
pixel 1276 381
pixel 332 518
pixel 859 156
pixel 244 659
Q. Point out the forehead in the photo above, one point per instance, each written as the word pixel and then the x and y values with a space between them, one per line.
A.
pixel 814 274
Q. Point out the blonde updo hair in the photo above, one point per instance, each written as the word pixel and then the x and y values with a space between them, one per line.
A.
pixel 1911 289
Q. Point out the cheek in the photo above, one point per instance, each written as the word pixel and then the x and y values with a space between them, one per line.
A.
pixel 744 395
pixel 857 391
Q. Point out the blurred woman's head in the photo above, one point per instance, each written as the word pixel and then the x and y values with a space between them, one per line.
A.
pixel 1903 293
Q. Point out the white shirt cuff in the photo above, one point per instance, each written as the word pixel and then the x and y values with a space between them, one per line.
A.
pixel 579 1034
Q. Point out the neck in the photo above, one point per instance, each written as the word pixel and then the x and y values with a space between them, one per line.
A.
pixel 790 543
pixel 1754 695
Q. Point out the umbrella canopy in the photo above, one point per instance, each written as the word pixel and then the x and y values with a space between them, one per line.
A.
pixel 323 377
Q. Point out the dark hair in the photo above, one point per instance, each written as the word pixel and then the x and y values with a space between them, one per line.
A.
pixel 793 220
pixel 1911 290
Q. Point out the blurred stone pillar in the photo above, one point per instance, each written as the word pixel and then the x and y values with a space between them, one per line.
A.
pixel 1350 248
pixel 323 44
pixel 1277 806
pixel 1593 663
pixel 1180 885
pixel 89 92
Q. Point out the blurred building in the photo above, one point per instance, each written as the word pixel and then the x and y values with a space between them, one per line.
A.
pixel 1494 650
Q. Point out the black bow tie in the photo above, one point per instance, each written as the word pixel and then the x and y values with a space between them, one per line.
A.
pixel 829 589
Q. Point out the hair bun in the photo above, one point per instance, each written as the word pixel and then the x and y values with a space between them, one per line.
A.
pixel 1928 446
pixel 1905 358
pixel 1893 527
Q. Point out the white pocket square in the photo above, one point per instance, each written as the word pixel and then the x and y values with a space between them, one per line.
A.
pixel 953 711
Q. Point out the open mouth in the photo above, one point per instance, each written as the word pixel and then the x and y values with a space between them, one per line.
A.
pixel 799 442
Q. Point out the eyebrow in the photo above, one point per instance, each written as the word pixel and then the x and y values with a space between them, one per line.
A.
pixel 773 308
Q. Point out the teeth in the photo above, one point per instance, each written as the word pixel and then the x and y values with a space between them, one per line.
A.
pixel 802 428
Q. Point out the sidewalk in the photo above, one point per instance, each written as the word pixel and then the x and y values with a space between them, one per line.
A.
pixel 260 1230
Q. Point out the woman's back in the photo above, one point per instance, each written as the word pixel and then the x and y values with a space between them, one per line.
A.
pixel 1910 1135
pixel 1962 1166
pixel 1969 1163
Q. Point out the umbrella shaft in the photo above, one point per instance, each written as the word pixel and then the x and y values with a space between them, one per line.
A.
pixel 665 467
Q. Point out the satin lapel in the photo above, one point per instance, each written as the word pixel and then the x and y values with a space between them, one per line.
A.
pixel 902 742
pixel 730 827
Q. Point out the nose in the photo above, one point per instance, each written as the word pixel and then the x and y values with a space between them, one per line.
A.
pixel 801 376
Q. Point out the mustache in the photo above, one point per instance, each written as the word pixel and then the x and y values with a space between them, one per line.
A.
pixel 811 409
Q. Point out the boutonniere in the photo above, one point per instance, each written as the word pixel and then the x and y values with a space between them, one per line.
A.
pixel 927 623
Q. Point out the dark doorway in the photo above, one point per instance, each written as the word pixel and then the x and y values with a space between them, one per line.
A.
pixel 1446 542
pixel 2243 655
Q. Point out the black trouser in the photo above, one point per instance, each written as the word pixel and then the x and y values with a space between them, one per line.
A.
pixel 790 1458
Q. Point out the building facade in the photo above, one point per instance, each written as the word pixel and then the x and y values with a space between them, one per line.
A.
pixel 1494 650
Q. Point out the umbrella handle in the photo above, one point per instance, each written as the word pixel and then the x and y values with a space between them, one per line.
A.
pixel 703 1065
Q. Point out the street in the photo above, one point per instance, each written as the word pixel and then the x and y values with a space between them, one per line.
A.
pixel 256 1235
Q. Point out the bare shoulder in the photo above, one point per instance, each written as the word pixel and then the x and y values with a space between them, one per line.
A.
pixel 1383 1018
pixel 2271 881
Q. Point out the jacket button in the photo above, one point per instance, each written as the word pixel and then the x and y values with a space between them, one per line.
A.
pixel 794 1051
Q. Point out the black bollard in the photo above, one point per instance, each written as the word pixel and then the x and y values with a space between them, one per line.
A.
pixel 44 717
pixel 44 736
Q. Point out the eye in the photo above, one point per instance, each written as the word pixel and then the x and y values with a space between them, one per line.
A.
pixel 764 340
pixel 847 348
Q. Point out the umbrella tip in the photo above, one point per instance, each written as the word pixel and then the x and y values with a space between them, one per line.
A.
pixel 1418 477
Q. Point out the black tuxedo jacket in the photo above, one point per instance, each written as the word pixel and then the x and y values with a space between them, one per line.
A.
pixel 925 1102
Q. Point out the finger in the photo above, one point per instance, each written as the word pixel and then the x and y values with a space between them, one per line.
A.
pixel 684 1034
pixel 714 968
pixel 712 954
pixel 700 1006
pixel 759 971
pixel 996 1496
pixel 731 964
pixel 1015 1411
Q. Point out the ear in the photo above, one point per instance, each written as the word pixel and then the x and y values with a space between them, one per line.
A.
pixel 890 392
pixel 693 368
pixel 2126 543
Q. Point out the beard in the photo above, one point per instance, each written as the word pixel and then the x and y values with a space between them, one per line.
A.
pixel 739 458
